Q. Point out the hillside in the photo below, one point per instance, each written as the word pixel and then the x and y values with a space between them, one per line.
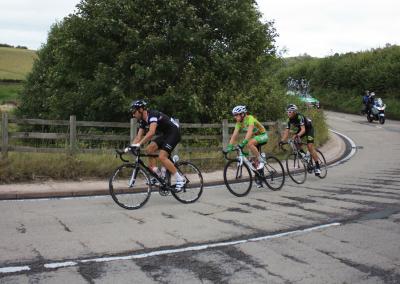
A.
pixel 15 63
pixel 338 81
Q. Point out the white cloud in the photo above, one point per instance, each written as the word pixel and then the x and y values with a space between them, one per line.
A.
pixel 27 22
pixel 320 28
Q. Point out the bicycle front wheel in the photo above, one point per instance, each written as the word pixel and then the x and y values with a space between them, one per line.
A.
pixel 194 183
pixel 322 164
pixel 237 178
pixel 296 168
pixel 130 187
pixel 274 174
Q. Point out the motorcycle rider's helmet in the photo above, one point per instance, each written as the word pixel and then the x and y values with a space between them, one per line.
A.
pixel 239 110
pixel 292 107
pixel 138 104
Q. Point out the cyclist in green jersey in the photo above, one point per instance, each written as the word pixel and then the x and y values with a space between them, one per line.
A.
pixel 304 129
pixel 255 133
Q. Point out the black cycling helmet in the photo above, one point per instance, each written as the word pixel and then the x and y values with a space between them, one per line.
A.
pixel 138 104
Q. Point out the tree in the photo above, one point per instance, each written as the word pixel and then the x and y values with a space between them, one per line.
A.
pixel 188 58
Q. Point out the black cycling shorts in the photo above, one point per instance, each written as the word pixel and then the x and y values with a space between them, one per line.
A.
pixel 309 135
pixel 168 142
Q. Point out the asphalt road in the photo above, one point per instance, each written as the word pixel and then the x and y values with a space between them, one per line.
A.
pixel 343 229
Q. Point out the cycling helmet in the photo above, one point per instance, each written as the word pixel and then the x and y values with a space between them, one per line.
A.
pixel 291 107
pixel 239 109
pixel 138 104
pixel 372 94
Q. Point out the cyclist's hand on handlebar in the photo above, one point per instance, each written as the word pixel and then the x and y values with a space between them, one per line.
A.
pixel 280 144
pixel 136 145
pixel 243 144
pixel 229 148
pixel 132 146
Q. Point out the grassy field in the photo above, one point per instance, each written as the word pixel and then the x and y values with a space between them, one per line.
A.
pixel 15 63
pixel 9 92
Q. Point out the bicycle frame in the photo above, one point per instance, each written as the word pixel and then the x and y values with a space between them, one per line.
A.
pixel 138 161
pixel 296 150
pixel 243 159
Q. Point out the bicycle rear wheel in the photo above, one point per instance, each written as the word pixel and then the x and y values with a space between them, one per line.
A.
pixel 274 174
pixel 237 178
pixel 322 164
pixel 296 168
pixel 130 187
pixel 194 183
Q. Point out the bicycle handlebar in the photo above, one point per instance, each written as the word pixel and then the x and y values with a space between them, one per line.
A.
pixel 134 150
pixel 237 148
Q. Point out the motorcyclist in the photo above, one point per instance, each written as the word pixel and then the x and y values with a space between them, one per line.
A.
pixel 370 102
pixel 365 102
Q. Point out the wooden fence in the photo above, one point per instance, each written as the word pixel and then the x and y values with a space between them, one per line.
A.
pixel 72 136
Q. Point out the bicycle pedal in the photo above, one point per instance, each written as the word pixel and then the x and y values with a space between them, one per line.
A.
pixel 163 192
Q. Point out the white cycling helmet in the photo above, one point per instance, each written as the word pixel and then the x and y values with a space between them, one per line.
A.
pixel 239 109
pixel 291 107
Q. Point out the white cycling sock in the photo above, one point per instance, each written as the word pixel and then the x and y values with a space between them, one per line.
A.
pixel 178 176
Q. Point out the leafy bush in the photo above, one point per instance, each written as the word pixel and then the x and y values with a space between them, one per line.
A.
pixel 190 59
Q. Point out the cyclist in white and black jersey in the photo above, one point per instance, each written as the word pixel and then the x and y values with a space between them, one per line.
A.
pixel 154 123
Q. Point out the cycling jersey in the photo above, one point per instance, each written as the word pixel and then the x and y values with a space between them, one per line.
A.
pixel 168 134
pixel 164 122
pixel 297 121
pixel 250 120
pixel 259 132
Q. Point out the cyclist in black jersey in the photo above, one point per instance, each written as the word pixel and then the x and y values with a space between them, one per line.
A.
pixel 154 123
pixel 304 129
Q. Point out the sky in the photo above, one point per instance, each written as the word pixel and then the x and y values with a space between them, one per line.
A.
pixel 316 27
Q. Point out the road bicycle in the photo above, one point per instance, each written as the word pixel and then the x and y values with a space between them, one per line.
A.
pixel 238 171
pixel 131 183
pixel 298 162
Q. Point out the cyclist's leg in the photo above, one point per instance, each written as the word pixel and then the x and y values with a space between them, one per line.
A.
pixel 151 149
pixel 168 145
pixel 257 140
pixel 310 144
pixel 166 162
pixel 252 145
pixel 313 152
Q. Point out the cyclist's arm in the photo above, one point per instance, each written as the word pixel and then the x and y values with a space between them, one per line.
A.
pixel 234 136
pixel 138 136
pixel 302 131
pixel 249 132
pixel 149 134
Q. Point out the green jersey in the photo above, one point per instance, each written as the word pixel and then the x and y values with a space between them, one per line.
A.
pixel 250 120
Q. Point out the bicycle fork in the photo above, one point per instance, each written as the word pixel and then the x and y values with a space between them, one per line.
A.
pixel 132 180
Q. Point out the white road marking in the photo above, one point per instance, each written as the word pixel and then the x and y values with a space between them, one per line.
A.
pixel 56 265
pixel 352 152
pixel 12 269
pixel 60 264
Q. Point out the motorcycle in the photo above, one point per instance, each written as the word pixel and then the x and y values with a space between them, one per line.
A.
pixel 377 111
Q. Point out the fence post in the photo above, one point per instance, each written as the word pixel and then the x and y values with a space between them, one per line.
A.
pixel 72 134
pixel 225 133
pixel 133 130
pixel 4 135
